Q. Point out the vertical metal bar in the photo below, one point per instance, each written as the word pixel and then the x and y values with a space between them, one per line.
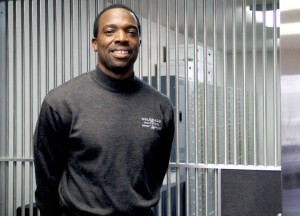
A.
pixel 176 85
pixel 15 129
pixel 234 81
pixel 264 87
pixel 141 47
pixel 54 44
pixel 187 112
pixel 158 46
pixel 47 45
pixel 205 104
pixel 63 63
pixel 275 86
pixel 216 194
pixel 254 80
pixel 196 103
pixel 177 82
pixel 149 41
pixel 39 88
pixel 225 82
pixel 71 40
pixel 23 106
pixel 31 110
pixel 205 83
pixel 219 179
pixel 168 84
pixel 88 34
pixel 215 82
pixel 244 81
pixel 197 191
pixel 79 39
pixel 7 120
pixel 196 81
pixel 168 192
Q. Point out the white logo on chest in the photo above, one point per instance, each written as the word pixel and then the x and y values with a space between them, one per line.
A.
pixel 151 123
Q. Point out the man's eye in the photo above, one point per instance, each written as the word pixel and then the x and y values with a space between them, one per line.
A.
pixel 109 32
pixel 133 33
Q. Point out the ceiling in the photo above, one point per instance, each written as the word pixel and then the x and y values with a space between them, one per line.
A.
pixel 190 21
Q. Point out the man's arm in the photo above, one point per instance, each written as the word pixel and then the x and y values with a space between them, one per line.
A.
pixel 50 158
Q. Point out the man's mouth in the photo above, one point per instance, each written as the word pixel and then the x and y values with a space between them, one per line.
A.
pixel 120 53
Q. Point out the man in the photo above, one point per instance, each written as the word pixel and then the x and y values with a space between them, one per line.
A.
pixel 102 142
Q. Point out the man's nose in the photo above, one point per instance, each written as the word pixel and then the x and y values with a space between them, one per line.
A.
pixel 121 36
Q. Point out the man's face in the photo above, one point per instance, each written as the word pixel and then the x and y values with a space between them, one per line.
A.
pixel 117 42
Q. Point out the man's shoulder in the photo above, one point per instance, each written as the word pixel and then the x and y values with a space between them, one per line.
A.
pixel 68 89
pixel 155 94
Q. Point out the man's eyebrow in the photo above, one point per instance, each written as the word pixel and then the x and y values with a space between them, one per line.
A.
pixel 115 26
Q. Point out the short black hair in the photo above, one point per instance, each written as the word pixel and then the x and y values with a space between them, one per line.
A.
pixel 96 22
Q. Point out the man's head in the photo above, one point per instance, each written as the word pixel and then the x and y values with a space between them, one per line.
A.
pixel 116 40
pixel 96 22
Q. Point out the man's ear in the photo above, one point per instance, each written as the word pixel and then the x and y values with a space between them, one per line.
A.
pixel 94 44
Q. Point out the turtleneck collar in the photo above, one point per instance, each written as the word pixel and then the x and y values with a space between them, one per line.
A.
pixel 111 84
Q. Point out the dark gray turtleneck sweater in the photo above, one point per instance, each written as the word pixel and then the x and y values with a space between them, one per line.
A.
pixel 102 146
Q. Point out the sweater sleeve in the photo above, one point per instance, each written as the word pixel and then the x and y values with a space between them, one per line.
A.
pixel 50 156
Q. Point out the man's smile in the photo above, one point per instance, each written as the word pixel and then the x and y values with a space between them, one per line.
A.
pixel 121 53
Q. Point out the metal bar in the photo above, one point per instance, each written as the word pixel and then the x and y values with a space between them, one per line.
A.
pixel 79 39
pixel 206 188
pixel 168 192
pixel 219 189
pixel 254 80
pixel 140 5
pixel 234 81
pixel 197 191
pixel 15 129
pixel 196 102
pixel 187 190
pixel 39 88
pixel 23 106
pixel 149 41
pixel 31 110
pixel 7 120
pixel 158 75
pixel 47 45
pixel 215 82
pixel 223 166
pixel 178 193
pixel 187 112
pixel 168 84
pixel 88 34
pixel 187 178
pixel 244 81
pixel 54 44
pixel 71 40
pixel 264 53
pixel 63 63
pixel 196 80
pixel 225 82
pixel 275 86
pixel 16 159
pixel 205 83
pixel 216 192
pixel 177 81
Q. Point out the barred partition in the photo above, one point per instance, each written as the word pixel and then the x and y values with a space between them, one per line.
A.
pixel 216 60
